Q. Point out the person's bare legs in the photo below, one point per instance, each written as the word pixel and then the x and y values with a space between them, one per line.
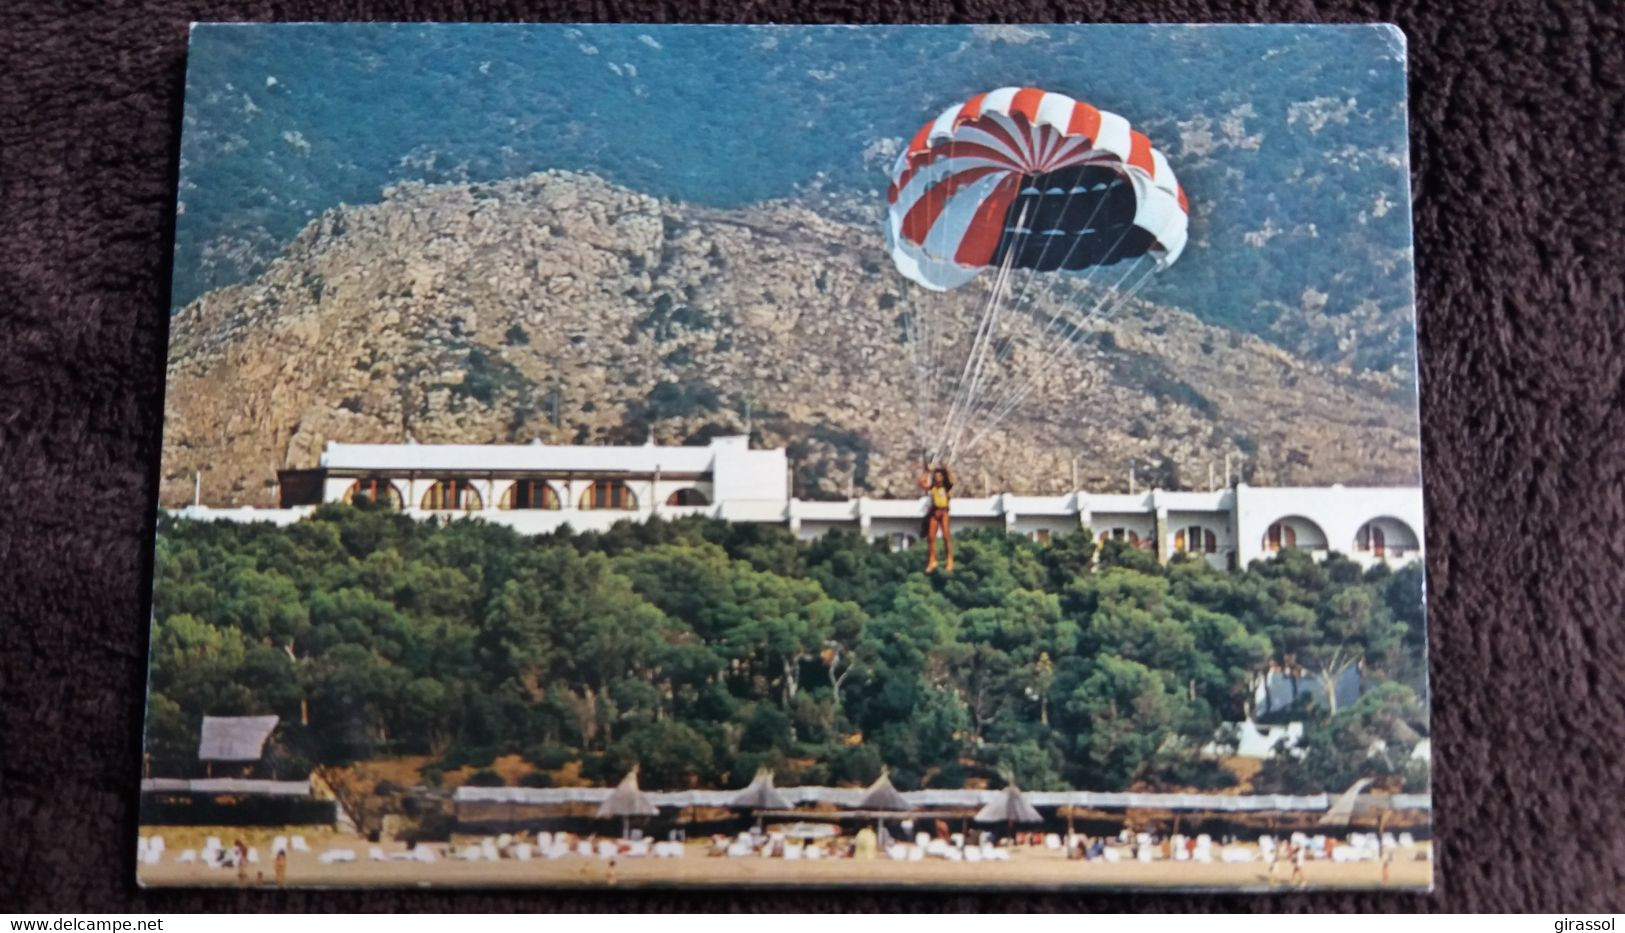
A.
pixel 931 525
pixel 947 542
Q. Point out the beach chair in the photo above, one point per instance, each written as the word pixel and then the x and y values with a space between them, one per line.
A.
pixel 937 848
pixel 212 842
pixel 922 839
pixel 954 855
pixel 917 853
pixel 557 850
pixel 299 844
pixel 584 848
pixel 335 856
pixel 815 851
pixel 471 853
pixel 376 853
pixel 1052 840
pixel 422 853
pixel 607 850
pixel 1406 840
pixel 188 856
pixel 521 851
pixel 155 844
pixel 505 840
pixel 140 844
pixel 1145 855
pixel 1389 841
pixel 973 854
pixel 279 845
pixel 1203 854
pixel 253 855
pixel 544 841
pixel 739 850
pixel 1233 855
pixel 1112 854
pixel 957 840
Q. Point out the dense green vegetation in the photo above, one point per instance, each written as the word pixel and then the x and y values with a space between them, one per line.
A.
pixel 702 650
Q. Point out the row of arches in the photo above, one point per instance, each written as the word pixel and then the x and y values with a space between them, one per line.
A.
pixel 1380 537
pixel 460 495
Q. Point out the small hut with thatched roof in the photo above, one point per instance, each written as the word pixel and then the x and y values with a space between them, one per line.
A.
pixel 627 801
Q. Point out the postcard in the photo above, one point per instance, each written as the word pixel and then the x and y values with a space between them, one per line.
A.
pixel 790 456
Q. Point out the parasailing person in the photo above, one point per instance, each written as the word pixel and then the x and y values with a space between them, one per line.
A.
pixel 937 484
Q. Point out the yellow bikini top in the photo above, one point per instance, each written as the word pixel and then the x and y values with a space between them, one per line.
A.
pixel 939 497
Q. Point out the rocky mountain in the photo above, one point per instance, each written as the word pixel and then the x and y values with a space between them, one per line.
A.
pixel 561 307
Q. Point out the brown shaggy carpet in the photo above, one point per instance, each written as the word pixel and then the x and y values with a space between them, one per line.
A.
pixel 1518 122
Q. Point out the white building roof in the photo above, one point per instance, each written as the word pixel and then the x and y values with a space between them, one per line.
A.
pixel 480 458
pixel 234 738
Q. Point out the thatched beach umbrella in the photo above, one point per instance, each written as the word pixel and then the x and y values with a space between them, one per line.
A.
pixel 1010 807
pixel 627 801
pixel 761 795
pixel 1341 813
pixel 881 795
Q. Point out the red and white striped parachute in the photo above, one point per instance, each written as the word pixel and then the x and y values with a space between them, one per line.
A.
pixel 1060 183
pixel 1047 191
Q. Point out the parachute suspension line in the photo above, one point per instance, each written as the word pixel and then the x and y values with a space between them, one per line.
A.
pixel 975 392
pixel 1061 307
pixel 1014 401
pixel 1109 300
pixel 963 382
pixel 911 335
pixel 987 332
pixel 931 392
pixel 970 377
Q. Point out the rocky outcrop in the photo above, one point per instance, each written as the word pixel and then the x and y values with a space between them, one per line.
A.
pixel 561 307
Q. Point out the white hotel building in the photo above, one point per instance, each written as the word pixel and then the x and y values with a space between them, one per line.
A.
pixel 535 488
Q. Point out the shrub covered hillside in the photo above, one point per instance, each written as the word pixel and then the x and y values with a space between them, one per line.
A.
pixel 702 650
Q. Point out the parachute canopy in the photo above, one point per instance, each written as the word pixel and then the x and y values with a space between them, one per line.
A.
pixel 1030 179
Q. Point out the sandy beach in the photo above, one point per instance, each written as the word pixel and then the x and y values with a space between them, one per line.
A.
pixel 1027 868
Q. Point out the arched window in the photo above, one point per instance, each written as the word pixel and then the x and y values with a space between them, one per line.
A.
pixel 530 494
pixel 687 496
pixel 1371 539
pixel 1280 535
pixel 1386 537
pixel 1120 534
pixel 374 489
pixel 1294 531
pixel 608 494
pixel 1039 535
pixel 452 495
pixel 1196 539
pixel 901 540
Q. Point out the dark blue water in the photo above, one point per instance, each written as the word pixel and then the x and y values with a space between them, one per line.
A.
pixel 283 122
